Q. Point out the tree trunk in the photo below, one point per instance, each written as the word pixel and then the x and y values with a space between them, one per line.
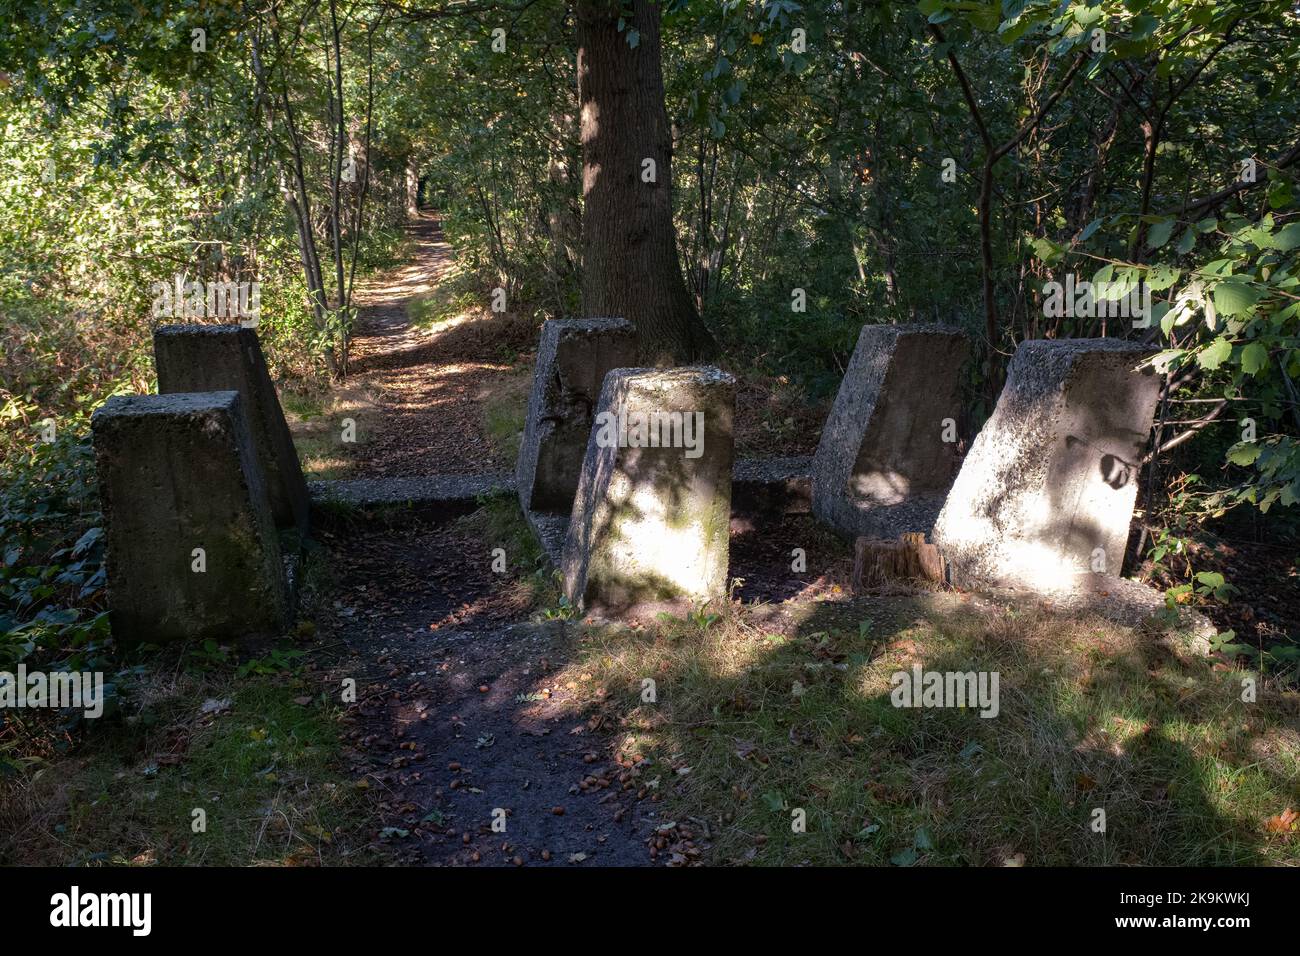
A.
pixel 629 243
pixel 882 564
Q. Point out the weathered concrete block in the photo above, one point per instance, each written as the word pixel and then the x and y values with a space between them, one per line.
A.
pixel 572 360
pixel 882 466
pixel 651 517
pixel 203 358
pixel 1046 494
pixel 178 473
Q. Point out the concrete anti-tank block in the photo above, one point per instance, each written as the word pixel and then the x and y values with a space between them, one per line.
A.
pixel 651 517
pixel 573 357
pixel 192 547
pixel 888 451
pixel 1045 496
pixel 202 358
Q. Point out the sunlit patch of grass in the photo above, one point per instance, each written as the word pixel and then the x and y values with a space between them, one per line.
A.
pixel 316 422
pixel 429 313
pixel 756 726
pixel 458 296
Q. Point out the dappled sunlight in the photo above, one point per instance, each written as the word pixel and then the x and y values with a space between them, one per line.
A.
pixel 790 706
pixel 438 388
pixel 881 487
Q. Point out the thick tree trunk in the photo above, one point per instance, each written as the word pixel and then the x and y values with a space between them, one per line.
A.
pixel 630 264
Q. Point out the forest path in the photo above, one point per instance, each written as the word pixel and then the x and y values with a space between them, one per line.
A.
pixel 466 720
pixel 429 379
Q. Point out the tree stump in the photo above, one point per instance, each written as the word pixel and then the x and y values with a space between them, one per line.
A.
pixel 878 563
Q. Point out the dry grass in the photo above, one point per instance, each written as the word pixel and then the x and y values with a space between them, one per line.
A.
pixel 316 421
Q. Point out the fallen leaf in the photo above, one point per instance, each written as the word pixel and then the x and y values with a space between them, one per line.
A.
pixel 1284 822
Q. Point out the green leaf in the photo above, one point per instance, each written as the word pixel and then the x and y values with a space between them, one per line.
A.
pixel 1160 233
pixel 1288 237
pixel 1215 354
pixel 922 840
pixel 1243 453
pixel 1165 359
pixel 1253 358
pixel 1046 250
pixel 906 857
pixel 1162 277
pixel 1235 297
pixel 986 17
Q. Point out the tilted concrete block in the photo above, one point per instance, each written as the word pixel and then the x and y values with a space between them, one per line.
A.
pixel 651 517
pixel 573 357
pixel 888 451
pixel 192 547
pixel 1046 494
pixel 204 358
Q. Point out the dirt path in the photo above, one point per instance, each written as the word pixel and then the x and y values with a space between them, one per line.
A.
pixel 459 720
pixel 430 385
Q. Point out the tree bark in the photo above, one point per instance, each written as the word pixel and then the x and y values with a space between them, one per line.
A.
pixel 630 264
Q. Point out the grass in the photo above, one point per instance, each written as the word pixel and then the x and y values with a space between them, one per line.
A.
pixel 761 713
pixel 257 754
pixel 499 522
pixel 316 422
pixel 245 736
pixel 458 295
pixel 505 414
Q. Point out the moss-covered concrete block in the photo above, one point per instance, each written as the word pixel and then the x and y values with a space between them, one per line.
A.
pixel 1045 497
pixel 888 451
pixel 573 357
pixel 652 512
pixel 205 358
pixel 193 550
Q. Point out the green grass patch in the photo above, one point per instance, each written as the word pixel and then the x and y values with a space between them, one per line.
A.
pixel 237 770
pixel 499 522
pixel 317 422
pixel 458 295
pixel 760 725
pixel 505 414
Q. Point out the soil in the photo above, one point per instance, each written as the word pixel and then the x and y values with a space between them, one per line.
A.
pixel 430 385
pixel 458 718
pixel 458 726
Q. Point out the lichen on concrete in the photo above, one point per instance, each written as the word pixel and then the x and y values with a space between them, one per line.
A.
pixel 650 524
